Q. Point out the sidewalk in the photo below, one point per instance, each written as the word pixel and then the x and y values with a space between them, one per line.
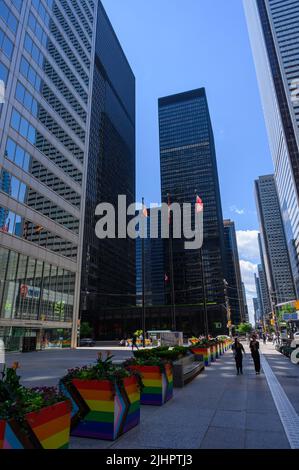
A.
pixel 218 410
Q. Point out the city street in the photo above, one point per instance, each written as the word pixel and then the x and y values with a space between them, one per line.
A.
pixel 218 410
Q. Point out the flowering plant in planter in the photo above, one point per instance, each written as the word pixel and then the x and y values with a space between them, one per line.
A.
pixel 32 417
pixel 163 352
pixel 105 399
pixel 157 378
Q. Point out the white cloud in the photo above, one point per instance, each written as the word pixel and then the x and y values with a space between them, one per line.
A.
pixel 236 210
pixel 248 245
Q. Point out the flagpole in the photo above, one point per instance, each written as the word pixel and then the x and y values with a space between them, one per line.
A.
pixel 143 284
pixel 203 282
pixel 173 312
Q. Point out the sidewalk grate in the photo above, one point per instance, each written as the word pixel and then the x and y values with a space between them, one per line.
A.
pixel 286 411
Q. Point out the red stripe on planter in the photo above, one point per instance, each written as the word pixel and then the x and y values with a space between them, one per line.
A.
pixel 93 384
pixel 37 418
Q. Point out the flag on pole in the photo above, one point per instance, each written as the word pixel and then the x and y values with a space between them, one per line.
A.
pixel 144 211
pixel 198 204
pixel 166 278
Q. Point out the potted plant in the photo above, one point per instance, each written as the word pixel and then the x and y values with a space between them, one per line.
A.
pixel 157 378
pixel 105 399
pixel 32 418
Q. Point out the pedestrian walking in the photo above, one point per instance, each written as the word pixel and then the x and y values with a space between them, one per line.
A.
pixel 238 351
pixel 255 353
pixel 134 342
pixel 274 339
pixel 264 338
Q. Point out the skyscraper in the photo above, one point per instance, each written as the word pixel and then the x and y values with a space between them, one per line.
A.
pixel 50 53
pixel 265 297
pixel 233 273
pixel 246 312
pixel 108 266
pixel 188 163
pixel 153 266
pixel 274 28
pixel 256 309
pixel 273 247
pixel 260 308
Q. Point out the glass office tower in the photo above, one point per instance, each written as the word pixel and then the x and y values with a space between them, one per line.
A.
pixel 188 163
pixel 47 61
pixel 273 247
pixel 233 274
pixel 274 29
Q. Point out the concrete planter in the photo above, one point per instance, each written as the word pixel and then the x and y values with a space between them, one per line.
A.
pixel 103 409
pixel 204 353
pixel 186 369
pixel 48 428
pixel 158 384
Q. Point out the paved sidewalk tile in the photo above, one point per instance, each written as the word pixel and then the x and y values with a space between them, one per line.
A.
pixel 223 438
pixel 266 440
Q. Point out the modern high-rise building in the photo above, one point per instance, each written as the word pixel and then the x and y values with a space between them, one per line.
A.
pixel 273 247
pixel 260 309
pixel 188 164
pixel 108 266
pixel 265 296
pixel 246 311
pixel 61 63
pixel 274 29
pixel 233 273
pixel 256 309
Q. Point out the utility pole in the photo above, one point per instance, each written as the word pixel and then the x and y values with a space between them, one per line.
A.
pixel 203 281
pixel 274 310
pixel 143 282
pixel 228 310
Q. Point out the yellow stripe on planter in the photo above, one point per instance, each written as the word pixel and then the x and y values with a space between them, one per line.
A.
pixel 56 441
pixel 151 383
pixel 95 405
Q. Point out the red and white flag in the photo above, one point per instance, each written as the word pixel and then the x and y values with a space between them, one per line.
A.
pixel 198 205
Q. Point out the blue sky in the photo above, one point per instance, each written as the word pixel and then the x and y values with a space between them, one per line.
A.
pixel 177 45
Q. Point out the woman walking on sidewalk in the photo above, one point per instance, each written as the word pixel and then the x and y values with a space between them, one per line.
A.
pixel 255 353
pixel 238 351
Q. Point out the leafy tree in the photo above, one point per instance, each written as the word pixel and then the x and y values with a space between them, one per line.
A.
pixel 244 328
pixel 85 330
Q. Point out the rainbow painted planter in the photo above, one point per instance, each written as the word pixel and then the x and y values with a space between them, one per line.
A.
pixel 48 428
pixel 205 353
pixel 213 352
pixel 157 382
pixel 102 409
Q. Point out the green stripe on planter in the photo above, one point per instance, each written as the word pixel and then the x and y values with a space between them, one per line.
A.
pixel 155 390
pixel 100 416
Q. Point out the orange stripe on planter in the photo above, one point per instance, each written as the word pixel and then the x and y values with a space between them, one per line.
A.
pixel 102 395
pixel 37 418
pixel 52 427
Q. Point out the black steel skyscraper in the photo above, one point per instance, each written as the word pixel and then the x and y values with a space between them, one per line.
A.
pixel 108 266
pixel 188 163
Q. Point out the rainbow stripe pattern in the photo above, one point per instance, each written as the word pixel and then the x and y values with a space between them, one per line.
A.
pixel 205 353
pixel 158 384
pixel 48 428
pixel 8 437
pixel 213 353
pixel 103 410
pixel 51 425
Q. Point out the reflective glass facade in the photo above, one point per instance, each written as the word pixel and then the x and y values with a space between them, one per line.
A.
pixel 46 61
pixel 188 163
pixel 233 274
pixel 108 266
pixel 273 243
pixel 274 29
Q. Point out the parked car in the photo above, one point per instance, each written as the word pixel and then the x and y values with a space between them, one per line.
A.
pixel 295 341
pixel 87 342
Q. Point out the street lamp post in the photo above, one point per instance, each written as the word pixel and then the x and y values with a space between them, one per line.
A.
pixel 228 311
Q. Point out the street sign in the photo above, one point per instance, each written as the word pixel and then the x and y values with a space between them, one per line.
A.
pixel 290 316
pixel 218 325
